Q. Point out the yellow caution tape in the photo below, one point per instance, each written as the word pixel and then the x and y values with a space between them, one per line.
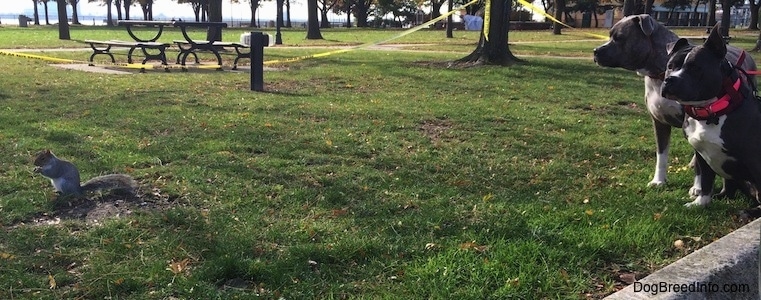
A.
pixel 47 58
pixel 543 13
pixel 106 65
pixel 487 19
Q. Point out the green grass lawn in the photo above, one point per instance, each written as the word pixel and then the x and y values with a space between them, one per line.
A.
pixel 367 174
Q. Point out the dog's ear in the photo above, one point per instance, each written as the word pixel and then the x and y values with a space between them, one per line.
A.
pixel 647 23
pixel 715 42
pixel 675 46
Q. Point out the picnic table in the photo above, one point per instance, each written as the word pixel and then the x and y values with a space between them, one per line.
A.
pixel 195 45
pixel 153 49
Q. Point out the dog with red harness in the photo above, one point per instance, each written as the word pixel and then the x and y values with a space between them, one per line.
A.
pixel 723 122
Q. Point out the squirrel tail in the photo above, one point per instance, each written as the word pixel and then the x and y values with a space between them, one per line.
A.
pixel 121 182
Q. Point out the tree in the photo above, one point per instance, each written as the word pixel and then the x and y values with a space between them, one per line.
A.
pixel 63 21
pixel 559 10
pixel 628 7
pixel 109 14
pixel 361 11
pixel 450 4
pixel 325 6
pixel 146 6
pixel 288 13
pixel 74 13
pixel 118 5
pixel 254 4
pixel 126 4
pixel 215 15
pixel 313 25
pixel 755 5
pixel 36 13
pixel 495 49
pixel 47 15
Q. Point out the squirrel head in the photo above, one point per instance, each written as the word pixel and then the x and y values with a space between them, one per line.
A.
pixel 43 157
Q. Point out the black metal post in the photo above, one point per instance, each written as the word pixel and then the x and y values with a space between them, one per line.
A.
pixel 258 42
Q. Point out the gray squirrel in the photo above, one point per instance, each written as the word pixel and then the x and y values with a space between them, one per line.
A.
pixel 65 177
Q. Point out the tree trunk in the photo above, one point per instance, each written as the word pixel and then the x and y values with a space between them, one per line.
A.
pixel 254 4
pixel 63 21
pixel 628 7
pixel 360 13
pixel 109 14
pixel 288 14
pixel 726 6
pixel 449 19
pixel 348 13
pixel 649 6
pixel 74 13
pixel 324 22
pixel 559 9
pixel 126 5
pixel 118 5
pixel 754 15
pixel 36 13
pixel 711 13
pixel 313 25
pixel 496 50
pixel 215 15
pixel 47 15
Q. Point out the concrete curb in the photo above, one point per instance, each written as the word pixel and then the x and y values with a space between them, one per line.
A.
pixel 725 269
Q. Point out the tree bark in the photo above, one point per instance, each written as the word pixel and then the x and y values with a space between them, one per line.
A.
pixel 63 21
pixel 754 14
pixel 36 13
pixel 449 19
pixel 711 13
pixel 495 50
pixel 215 15
pixel 726 6
pixel 559 9
pixel 313 24
pixel 628 7
pixel 109 14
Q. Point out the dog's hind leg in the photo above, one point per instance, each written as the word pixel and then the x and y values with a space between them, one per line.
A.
pixel 662 140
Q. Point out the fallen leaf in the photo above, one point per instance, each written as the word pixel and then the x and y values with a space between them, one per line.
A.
pixel 7 256
pixel 51 282
pixel 487 197
pixel 179 267
pixel 628 278
pixel 589 212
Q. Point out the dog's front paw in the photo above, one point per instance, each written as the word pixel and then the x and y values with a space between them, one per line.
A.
pixel 699 201
pixel 656 183
pixel 695 192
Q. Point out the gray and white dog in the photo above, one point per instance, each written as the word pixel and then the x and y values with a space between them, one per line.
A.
pixel 638 43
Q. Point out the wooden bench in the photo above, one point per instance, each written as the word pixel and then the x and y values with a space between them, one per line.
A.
pixel 241 51
pixel 104 47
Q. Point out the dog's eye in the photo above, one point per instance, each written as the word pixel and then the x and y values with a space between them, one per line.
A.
pixel 670 66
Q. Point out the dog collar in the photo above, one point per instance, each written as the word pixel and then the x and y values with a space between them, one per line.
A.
pixel 722 106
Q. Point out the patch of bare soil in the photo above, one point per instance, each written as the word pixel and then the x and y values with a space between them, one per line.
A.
pixel 435 129
pixel 97 208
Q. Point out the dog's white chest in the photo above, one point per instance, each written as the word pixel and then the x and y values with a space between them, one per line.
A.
pixel 706 139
